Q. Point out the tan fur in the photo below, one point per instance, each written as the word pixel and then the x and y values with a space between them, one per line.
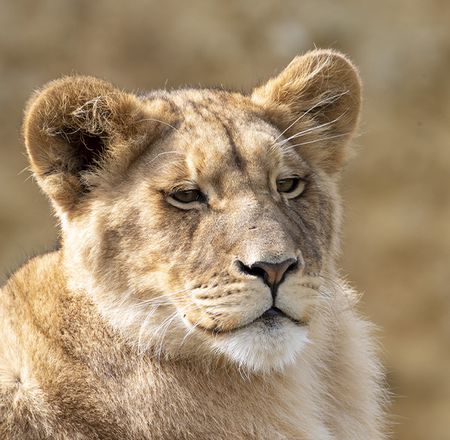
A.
pixel 143 325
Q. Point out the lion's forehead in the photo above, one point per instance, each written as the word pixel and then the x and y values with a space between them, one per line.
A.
pixel 222 119
pixel 220 139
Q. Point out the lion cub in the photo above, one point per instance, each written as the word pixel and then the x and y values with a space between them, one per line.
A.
pixel 195 295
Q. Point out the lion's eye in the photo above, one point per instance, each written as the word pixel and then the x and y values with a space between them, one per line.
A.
pixel 291 186
pixel 189 196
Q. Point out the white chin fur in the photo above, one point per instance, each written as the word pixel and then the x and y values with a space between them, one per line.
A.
pixel 263 348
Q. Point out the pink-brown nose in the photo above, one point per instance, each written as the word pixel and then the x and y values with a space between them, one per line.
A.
pixel 272 274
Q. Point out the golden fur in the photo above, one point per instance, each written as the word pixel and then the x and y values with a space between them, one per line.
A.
pixel 149 322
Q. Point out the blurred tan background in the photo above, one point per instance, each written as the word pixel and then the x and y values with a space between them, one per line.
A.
pixel 397 233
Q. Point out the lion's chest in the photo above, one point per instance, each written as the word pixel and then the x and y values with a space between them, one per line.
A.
pixel 151 404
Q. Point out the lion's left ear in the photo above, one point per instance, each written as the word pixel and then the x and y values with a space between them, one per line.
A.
pixel 316 99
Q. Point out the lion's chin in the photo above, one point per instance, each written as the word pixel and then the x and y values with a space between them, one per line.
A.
pixel 264 346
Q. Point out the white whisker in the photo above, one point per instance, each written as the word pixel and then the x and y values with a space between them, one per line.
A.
pixel 164 153
pixel 158 120
pixel 163 299
pixel 328 99
pixel 309 130
pixel 290 147
pixel 142 328
pixel 189 332
pixel 164 327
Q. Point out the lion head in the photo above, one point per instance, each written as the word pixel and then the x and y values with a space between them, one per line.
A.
pixel 201 222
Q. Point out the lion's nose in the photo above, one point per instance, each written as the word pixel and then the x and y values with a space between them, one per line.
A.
pixel 272 274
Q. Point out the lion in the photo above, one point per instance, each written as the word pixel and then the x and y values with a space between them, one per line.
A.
pixel 195 294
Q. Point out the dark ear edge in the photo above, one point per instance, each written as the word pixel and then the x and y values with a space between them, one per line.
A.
pixel 73 126
pixel 320 93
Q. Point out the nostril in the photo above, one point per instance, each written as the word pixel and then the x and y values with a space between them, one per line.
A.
pixel 293 267
pixel 254 271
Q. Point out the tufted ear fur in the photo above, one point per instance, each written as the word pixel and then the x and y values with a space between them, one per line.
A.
pixel 317 100
pixel 77 129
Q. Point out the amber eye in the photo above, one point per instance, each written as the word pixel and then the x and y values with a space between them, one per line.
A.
pixel 188 196
pixel 290 186
pixel 287 185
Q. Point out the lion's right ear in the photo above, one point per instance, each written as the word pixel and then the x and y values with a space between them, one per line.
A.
pixel 79 127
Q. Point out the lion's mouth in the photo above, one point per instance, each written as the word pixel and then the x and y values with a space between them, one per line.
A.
pixel 273 315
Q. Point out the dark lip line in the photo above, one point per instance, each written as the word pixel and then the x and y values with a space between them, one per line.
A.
pixel 224 332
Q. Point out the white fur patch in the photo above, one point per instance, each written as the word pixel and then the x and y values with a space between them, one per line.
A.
pixel 263 347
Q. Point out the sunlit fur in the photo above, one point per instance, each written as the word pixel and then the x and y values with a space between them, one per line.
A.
pixel 144 324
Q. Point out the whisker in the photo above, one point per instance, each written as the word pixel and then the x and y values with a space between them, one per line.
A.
pixel 158 120
pixel 163 153
pixel 29 177
pixel 154 334
pixel 149 303
pixel 291 147
pixel 157 335
pixel 189 332
pixel 329 99
pixel 161 299
pixel 143 326
pixel 309 130
pixel 167 124
pixel 27 168
pixel 333 287
pixel 164 329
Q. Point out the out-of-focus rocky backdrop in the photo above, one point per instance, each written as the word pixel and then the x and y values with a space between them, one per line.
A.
pixel 397 226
